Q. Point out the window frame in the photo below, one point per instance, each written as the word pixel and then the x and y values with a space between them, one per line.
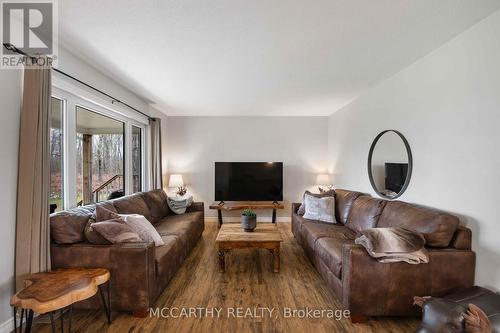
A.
pixel 72 100
pixel 143 158
pixel 63 143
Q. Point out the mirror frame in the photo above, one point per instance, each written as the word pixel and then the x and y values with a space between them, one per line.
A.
pixel 410 164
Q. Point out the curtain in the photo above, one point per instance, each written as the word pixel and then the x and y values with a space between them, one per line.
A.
pixel 32 225
pixel 156 171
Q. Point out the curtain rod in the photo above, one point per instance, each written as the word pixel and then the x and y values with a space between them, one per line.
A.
pixel 12 48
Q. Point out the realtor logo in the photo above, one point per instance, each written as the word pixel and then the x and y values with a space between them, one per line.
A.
pixel 29 26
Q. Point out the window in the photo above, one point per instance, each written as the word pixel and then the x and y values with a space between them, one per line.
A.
pixel 99 156
pixel 97 150
pixel 136 159
pixel 56 155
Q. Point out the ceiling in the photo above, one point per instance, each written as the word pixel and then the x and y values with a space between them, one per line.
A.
pixel 258 57
pixel 89 122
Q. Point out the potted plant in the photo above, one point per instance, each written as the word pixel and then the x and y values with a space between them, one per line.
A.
pixel 248 220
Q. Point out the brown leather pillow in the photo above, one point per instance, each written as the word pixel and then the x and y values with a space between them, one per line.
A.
pixel 156 201
pixel 67 227
pixel 115 231
pixel 344 200
pixel 92 236
pixel 132 204
pixel 365 213
pixel 437 227
pixel 302 208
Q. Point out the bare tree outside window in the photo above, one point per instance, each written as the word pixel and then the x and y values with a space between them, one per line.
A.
pixel 100 157
pixel 136 159
pixel 56 155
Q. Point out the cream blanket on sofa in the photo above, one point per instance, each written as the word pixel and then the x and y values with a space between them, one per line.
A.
pixel 394 245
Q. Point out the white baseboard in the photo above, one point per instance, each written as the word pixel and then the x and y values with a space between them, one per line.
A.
pixel 7 326
pixel 231 219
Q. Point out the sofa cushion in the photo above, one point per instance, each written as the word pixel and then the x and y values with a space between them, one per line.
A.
pixel 67 227
pixel 329 250
pixel 133 204
pixel 343 204
pixel 156 201
pixel 188 227
pixel 437 227
pixel 314 230
pixel 365 213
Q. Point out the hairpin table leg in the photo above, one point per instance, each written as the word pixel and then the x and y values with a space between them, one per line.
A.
pixel 106 305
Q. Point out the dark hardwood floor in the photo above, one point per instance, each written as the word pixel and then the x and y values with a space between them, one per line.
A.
pixel 248 282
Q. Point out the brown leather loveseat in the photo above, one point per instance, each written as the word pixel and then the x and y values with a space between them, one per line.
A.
pixel 139 271
pixel 368 287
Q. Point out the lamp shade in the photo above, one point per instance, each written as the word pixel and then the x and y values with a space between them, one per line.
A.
pixel 323 179
pixel 175 181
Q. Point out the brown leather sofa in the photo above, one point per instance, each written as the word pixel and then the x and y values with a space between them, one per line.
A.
pixel 139 271
pixel 369 288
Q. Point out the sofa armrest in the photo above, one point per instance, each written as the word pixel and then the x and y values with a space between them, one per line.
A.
pixel 295 207
pixel 371 288
pixel 462 238
pixel 196 207
pixel 131 266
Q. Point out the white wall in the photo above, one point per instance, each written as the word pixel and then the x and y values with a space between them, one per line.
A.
pixel 195 143
pixel 10 96
pixel 447 106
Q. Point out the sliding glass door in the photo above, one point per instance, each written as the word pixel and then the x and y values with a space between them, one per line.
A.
pixel 97 153
pixel 56 194
pixel 136 159
pixel 100 157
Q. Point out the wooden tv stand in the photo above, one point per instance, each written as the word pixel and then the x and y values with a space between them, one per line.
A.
pixel 240 205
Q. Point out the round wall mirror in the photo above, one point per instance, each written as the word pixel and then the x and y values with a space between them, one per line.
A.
pixel 389 164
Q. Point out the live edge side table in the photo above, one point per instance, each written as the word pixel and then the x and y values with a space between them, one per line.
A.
pixel 57 290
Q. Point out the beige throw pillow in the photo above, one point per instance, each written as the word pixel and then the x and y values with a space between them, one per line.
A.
pixel 302 208
pixel 321 209
pixel 143 228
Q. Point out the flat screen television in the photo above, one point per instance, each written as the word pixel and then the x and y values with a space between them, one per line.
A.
pixel 248 181
pixel 395 176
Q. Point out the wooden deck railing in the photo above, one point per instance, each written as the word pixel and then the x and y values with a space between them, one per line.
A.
pixel 104 190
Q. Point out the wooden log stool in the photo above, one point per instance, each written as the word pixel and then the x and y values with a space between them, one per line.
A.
pixel 58 290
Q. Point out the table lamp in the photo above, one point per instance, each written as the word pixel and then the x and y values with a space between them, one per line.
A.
pixel 177 182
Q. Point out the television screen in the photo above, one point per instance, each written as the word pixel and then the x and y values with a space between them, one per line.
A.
pixel 395 176
pixel 248 181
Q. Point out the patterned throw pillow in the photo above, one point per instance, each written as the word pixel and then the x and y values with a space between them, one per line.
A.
pixel 320 209
pixel 302 208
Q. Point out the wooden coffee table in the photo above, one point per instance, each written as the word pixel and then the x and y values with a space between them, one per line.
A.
pixel 265 236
